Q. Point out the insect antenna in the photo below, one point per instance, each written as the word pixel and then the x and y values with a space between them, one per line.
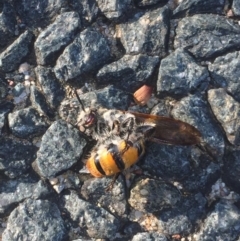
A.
pixel 79 100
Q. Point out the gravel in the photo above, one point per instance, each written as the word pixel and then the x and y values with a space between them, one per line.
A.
pixel 186 51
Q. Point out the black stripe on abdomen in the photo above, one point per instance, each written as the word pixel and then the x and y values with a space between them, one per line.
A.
pixel 117 156
pixel 139 148
pixel 98 165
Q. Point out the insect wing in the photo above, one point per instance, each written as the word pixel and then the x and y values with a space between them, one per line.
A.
pixel 169 130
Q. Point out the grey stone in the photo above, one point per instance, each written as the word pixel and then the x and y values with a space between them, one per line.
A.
pixel 39 102
pixel 146 33
pixel 7 23
pixel 70 109
pixel 94 191
pixel 15 157
pixel 162 108
pixel 5 108
pixel 202 177
pixel 147 3
pixel 149 195
pixel 190 7
pixel 36 13
pixel 130 72
pixel 51 87
pixel 61 147
pixel 13 192
pixel 114 9
pixel 55 37
pixel 67 180
pixel 231 168
pixel 221 223
pixel 96 221
pixel 26 123
pixel 180 75
pixel 236 7
pixel 3 90
pixel 167 161
pixel 149 236
pixel 18 89
pixel 88 10
pixel 207 36
pixel 35 220
pixel 227 111
pixel 11 57
pixel 88 53
pixel 182 218
pixel 195 111
pixel 108 97
pixel 113 98
pixel 225 71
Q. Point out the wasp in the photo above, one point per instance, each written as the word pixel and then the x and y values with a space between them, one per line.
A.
pixel 122 135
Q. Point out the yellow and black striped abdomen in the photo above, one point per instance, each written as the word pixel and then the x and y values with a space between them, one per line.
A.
pixel 115 158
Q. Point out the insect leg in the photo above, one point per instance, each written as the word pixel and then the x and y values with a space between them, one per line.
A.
pixel 110 186
pixel 127 126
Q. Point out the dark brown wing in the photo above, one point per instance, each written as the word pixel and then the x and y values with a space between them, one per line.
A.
pixel 169 130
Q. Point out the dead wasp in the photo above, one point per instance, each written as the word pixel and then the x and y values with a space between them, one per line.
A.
pixel 121 137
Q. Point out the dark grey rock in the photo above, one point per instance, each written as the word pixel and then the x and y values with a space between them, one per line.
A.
pixel 163 108
pixel 35 220
pixel 225 71
pixel 207 36
pixel 51 87
pixel 55 37
pixel 180 75
pixel 15 157
pixel 114 9
pixel 26 123
pixel 146 33
pixel 202 177
pixel 114 201
pixel 3 90
pixel 87 9
pixel 2 121
pixel 195 111
pixel 88 53
pixel 236 7
pixel 35 14
pixel 222 223
pixel 182 218
pixel 95 221
pixel 190 7
pixel 167 161
pixel 67 180
pixel 18 89
pixel 11 57
pixel 70 109
pixel 132 228
pixel 149 236
pixel 7 23
pixel 149 195
pixel 130 72
pixel 39 102
pixel 5 108
pixel 113 98
pixel 109 97
pixel 146 3
pixel 13 192
pixel 231 168
pixel 227 111
pixel 61 147
pixel 16 77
